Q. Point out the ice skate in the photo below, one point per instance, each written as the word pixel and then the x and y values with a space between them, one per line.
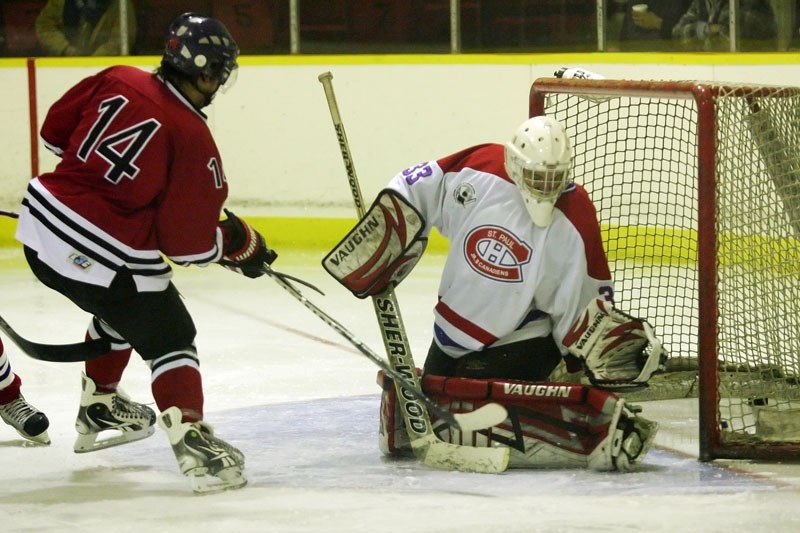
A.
pixel 629 439
pixel 110 411
pixel 29 422
pixel 638 434
pixel 211 464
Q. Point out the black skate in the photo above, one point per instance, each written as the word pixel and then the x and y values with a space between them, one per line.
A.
pixel 112 411
pixel 26 419
pixel 211 464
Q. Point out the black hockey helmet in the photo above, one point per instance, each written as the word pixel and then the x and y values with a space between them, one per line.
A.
pixel 197 44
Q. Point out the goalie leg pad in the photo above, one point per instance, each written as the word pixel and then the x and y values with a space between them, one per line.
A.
pixel 382 249
pixel 550 424
pixel 392 435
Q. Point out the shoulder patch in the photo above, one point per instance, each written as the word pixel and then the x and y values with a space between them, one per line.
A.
pixel 465 195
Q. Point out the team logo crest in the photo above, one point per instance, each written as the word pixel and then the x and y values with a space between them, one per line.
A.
pixel 496 253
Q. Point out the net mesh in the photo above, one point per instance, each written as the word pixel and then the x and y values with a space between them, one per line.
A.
pixel 637 155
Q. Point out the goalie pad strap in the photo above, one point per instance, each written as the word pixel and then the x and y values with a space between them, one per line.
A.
pixel 539 395
pixel 507 392
pixel 381 250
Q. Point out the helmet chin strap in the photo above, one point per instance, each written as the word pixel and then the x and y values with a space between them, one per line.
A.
pixel 208 97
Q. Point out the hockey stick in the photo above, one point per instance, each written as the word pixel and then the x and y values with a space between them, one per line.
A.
pixel 57 353
pixel 487 416
pixel 427 447
pixel 272 273
pixel 84 351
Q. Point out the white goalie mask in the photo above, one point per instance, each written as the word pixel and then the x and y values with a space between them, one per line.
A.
pixel 538 158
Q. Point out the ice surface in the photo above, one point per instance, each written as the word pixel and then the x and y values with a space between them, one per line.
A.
pixel 302 405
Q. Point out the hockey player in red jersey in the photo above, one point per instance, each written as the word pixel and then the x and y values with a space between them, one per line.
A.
pixel 15 410
pixel 141 179
pixel 526 284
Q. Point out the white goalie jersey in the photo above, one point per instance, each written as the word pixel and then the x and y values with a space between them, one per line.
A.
pixel 505 279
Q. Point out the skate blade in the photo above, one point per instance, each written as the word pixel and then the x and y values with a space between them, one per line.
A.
pixel 230 479
pixel 90 443
pixel 42 438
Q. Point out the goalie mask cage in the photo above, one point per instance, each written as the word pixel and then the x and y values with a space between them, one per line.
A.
pixel 697 187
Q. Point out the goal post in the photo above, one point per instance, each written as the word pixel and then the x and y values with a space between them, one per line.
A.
pixel 697 187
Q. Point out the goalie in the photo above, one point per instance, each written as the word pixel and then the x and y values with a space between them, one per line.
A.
pixel 526 284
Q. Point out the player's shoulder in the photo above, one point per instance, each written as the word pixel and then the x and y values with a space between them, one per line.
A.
pixel 131 82
pixel 486 158
pixel 127 74
pixel 150 91
pixel 577 206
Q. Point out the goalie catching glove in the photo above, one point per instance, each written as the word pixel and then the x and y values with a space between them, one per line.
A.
pixel 381 250
pixel 244 249
pixel 618 351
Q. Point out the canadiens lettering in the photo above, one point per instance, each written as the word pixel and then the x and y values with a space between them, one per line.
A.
pixel 557 391
pixel 396 347
pixel 496 253
pixel 364 231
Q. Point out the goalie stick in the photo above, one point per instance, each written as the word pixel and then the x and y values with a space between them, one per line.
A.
pixel 427 447
pixel 487 416
pixel 57 353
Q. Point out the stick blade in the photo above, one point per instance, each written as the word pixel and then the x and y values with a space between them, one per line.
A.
pixel 484 417
pixel 57 353
pixel 445 456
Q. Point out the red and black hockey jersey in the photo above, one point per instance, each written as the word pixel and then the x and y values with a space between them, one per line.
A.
pixel 140 178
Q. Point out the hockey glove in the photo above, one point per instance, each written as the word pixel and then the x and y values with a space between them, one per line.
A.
pixel 244 249
pixel 619 352
pixel 382 249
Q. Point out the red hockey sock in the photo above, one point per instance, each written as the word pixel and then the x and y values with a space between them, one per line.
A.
pixel 106 371
pixel 10 393
pixel 181 387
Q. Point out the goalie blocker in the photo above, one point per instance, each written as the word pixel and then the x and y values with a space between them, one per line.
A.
pixel 381 250
pixel 549 424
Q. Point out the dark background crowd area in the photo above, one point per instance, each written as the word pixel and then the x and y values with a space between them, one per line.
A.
pixel 424 26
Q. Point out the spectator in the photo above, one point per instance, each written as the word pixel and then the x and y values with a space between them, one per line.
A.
pixel 704 26
pixel 650 29
pixel 84 27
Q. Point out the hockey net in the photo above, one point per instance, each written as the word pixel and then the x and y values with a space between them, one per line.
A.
pixel 697 187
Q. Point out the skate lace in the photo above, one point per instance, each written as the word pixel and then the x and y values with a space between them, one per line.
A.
pixel 226 453
pixel 17 412
pixel 127 409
